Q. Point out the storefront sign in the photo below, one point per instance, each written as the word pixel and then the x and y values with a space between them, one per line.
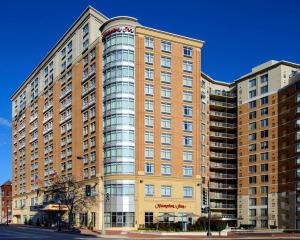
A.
pixel 56 207
pixel 175 206
pixel 118 30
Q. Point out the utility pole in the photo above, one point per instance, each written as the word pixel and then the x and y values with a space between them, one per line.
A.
pixel 209 234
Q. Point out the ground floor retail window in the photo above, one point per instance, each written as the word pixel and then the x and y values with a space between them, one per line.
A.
pixel 119 219
pixel 264 223
pixel 148 219
pixel 83 219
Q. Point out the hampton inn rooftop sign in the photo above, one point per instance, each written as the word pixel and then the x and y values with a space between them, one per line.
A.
pixel 118 30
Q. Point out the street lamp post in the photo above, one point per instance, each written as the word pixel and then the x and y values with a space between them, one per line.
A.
pixel 7 212
pixel 103 197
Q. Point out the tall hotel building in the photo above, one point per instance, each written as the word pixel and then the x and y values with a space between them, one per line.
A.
pixel 153 132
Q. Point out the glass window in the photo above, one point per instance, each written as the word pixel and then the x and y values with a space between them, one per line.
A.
pixel 252 115
pixel 187 81
pixel 149 105
pixel 149 58
pixel 166 169
pixel 149 42
pixel 252 83
pixel 252 104
pixel 264 79
pixel 149 137
pixel 165 46
pixel 149 190
pixel 264 111
pixel 166 138
pixel 166 123
pixel 187 126
pixel 252 179
pixel 165 62
pixel 149 168
pixel 165 77
pixel 187 96
pixel 188 141
pixel 187 66
pixel 165 92
pixel 149 74
pixel 187 156
pixel 264 123
pixel 264 100
pixel 264 156
pixel 165 154
pixel 166 108
pixel 187 51
pixel 187 171
pixel 252 93
pixel 149 89
pixel 149 152
pixel 187 111
pixel 264 89
pixel 149 121
pixel 166 191
pixel 187 192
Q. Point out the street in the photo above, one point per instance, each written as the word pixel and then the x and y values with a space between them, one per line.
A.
pixel 27 233
pixel 30 233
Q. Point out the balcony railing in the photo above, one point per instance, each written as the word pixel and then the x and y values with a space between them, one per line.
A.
pixel 222 104
pixel 222 135
pixel 222 124
pixel 222 205
pixel 222 145
pixel 222 185
pixel 222 175
pixel 222 93
pixel 222 196
pixel 222 114
pixel 222 165
pixel 222 155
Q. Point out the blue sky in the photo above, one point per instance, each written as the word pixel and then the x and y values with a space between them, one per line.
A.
pixel 238 36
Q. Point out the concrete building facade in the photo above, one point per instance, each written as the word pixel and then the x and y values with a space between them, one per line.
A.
pixel 127 110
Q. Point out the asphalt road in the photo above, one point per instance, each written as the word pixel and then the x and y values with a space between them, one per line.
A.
pixel 29 233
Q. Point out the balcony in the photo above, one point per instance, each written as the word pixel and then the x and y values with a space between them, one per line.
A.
pixel 222 205
pixel 222 145
pixel 222 135
pixel 222 176
pixel 222 114
pixel 222 93
pixel 222 104
pixel 222 165
pixel 222 196
pixel 221 124
pixel 213 185
pixel 222 155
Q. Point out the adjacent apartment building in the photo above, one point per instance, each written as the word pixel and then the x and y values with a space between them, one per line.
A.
pixel 127 110
pixel 6 202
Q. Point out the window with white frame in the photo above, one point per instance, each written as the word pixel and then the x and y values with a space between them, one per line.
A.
pixel 165 46
pixel 187 192
pixel 165 92
pixel 166 169
pixel 166 191
pixel 149 168
pixel 149 42
pixel 187 96
pixel 166 139
pixel 149 58
pixel 165 77
pixel 187 51
pixel 187 171
pixel 149 152
pixel 187 81
pixel 165 123
pixel 149 105
pixel 187 66
pixel 187 156
pixel 149 89
pixel 165 62
pixel 165 154
pixel 149 121
pixel 166 108
pixel 149 74
pixel 149 137
pixel 188 141
pixel 149 190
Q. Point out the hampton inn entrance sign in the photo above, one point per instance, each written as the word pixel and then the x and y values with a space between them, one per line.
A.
pixel 174 206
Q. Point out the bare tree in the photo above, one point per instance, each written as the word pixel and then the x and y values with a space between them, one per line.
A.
pixel 71 194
